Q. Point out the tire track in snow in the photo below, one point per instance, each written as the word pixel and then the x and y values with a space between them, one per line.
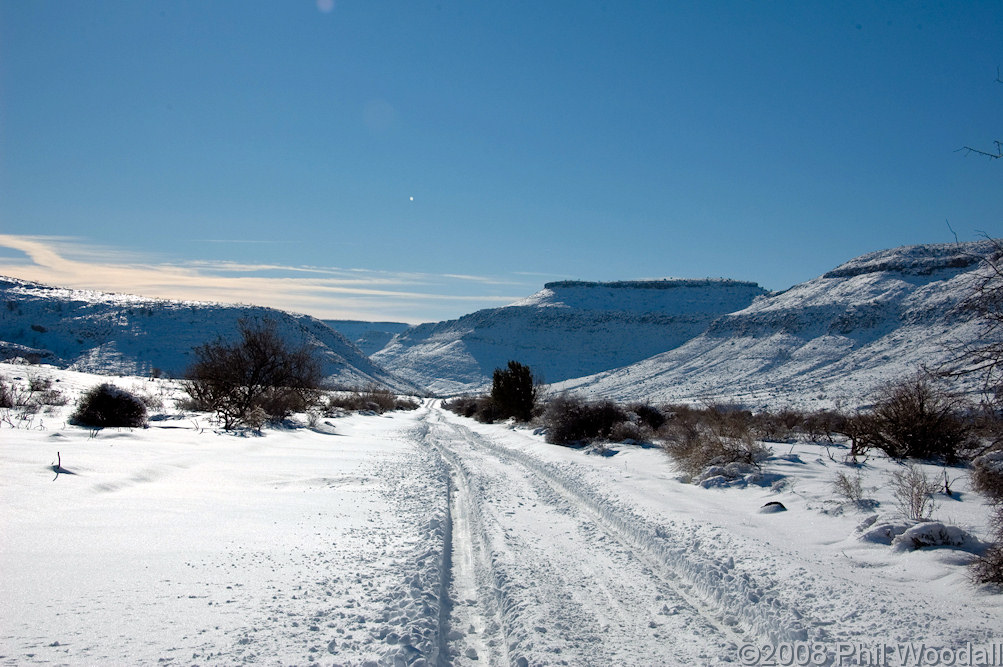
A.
pixel 592 590
pixel 711 586
pixel 475 599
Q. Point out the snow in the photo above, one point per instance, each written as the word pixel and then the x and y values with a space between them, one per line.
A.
pixel 426 538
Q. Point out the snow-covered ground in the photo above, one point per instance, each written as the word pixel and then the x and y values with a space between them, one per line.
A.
pixel 426 538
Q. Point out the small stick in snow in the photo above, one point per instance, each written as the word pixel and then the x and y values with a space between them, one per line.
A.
pixel 59 469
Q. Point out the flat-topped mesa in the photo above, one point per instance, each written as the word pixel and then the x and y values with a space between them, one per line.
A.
pixel 567 329
pixel 660 283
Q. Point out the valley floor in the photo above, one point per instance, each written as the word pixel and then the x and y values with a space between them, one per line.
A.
pixel 425 538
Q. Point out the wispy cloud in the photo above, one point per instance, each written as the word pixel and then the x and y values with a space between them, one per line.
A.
pixel 328 292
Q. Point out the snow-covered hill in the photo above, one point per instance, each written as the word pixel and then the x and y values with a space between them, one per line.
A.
pixel 829 341
pixel 566 330
pixel 124 334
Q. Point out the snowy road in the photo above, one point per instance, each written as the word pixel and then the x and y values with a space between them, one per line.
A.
pixel 541 576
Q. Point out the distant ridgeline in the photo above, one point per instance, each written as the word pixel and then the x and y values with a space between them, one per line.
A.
pixel 661 283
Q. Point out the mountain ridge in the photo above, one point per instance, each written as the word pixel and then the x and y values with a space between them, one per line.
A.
pixel 107 332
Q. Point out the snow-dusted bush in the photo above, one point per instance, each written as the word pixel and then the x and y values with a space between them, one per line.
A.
pixel 699 440
pixel 987 478
pixel 109 406
pixel 882 532
pixel 987 475
pixel 929 534
pixel 913 491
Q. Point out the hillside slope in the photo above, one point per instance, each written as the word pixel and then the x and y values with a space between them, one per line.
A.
pixel 369 337
pixel 830 341
pixel 124 334
pixel 566 330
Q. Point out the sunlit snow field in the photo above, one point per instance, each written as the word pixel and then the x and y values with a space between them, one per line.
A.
pixel 425 538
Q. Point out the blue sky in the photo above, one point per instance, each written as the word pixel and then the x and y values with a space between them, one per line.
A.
pixel 419 160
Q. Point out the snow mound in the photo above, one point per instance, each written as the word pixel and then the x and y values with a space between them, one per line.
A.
pixel 928 534
pixel 882 532
pixel 736 475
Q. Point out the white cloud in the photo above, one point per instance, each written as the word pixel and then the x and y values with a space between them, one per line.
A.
pixel 327 292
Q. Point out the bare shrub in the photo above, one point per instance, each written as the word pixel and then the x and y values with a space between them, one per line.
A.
pixel 259 371
pixel 777 427
pixel 38 383
pixel 848 488
pixel 916 419
pixel 150 400
pixel 822 425
pixel 630 431
pixel 6 395
pixel 465 406
pixel 913 492
pixel 52 396
pixel 109 406
pixel 649 415
pixel 698 439
pixel 373 398
pixel 988 568
pixel 571 420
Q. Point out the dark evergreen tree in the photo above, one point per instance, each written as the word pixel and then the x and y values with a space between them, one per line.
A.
pixel 513 392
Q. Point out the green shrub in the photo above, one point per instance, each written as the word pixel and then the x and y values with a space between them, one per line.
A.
pixel 109 406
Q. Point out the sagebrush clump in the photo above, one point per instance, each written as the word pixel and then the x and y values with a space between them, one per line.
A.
pixel 916 419
pixel 107 406
pixel 697 439
pixel 372 398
